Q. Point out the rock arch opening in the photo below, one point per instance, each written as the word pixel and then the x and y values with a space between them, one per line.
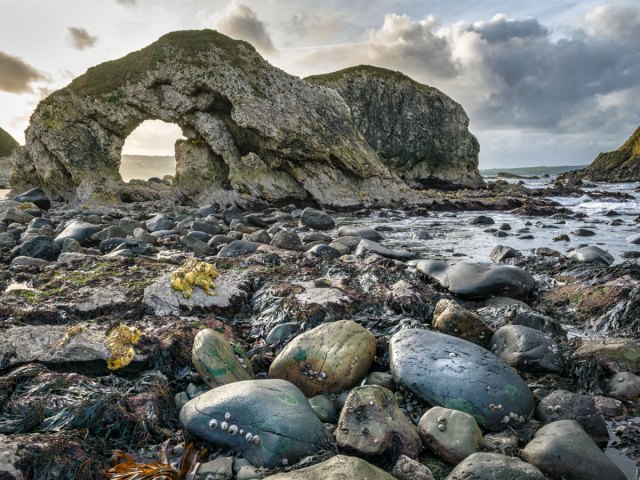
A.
pixel 149 151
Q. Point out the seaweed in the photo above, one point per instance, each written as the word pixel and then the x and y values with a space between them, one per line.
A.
pixel 130 469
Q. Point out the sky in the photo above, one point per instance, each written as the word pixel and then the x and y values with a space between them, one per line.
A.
pixel 545 82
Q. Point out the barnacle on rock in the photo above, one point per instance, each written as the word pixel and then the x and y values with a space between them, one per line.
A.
pixel 194 274
pixel 120 342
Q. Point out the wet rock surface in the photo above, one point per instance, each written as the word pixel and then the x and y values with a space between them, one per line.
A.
pixel 250 416
pixel 104 344
pixel 451 372
pixel 493 466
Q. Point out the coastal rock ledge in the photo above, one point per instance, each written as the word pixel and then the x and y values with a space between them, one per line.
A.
pixel 254 134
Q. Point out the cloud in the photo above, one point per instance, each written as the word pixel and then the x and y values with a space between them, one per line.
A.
pixel 16 76
pixel 510 73
pixel 242 23
pixel 126 2
pixel 80 38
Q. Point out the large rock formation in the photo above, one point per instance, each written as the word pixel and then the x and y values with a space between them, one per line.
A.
pixel 420 133
pixel 254 133
pixel 622 165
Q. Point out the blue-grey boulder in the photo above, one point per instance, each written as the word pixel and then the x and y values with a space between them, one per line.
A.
pixel 478 280
pixel 80 231
pixel 237 248
pixel 361 232
pixel 526 349
pixel 40 246
pixel 270 421
pixel 592 254
pixel 316 219
pixel 454 373
pixel 159 222
pixel 564 449
pixel 35 196
pixel 494 466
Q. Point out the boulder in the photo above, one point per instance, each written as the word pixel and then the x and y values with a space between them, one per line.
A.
pixel 371 423
pixel 482 220
pixel 450 372
pixel 425 141
pixel 40 246
pixel 624 385
pixel 287 240
pixel 451 434
pixel 317 220
pixel 360 232
pixel 218 361
pixel 238 248
pixel 80 231
pixel 478 280
pixel 368 246
pixel 527 349
pixel 255 418
pixel 339 467
pixel 502 252
pixel 592 254
pixel 494 466
pixel 564 449
pixel 451 318
pixel 563 405
pixel 329 358
pixel 35 196
pixel 409 469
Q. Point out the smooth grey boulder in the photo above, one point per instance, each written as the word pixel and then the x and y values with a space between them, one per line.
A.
pixel 564 405
pixel 40 246
pixel 450 372
pixel 592 254
pixel 317 220
pixel 564 449
pixel 237 248
pixel 35 196
pixel 527 349
pixel 494 466
pixel 361 232
pixel 206 227
pixel 324 251
pixel 478 280
pixel 78 230
pixel 482 220
pixel 287 240
pixel 269 421
pixel 159 222
pixel 502 252
pixel 451 434
pixel 368 246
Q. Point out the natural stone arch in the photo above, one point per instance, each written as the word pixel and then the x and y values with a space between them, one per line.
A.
pixel 279 137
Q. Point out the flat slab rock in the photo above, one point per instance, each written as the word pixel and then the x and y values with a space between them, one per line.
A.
pixel 339 467
pixel 230 293
pixel 269 421
pixel 478 280
pixel 60 345
pixel 450 372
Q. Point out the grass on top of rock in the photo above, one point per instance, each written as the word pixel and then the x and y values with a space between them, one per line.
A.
pixel 327 79
pixel 7 144
pixel 187 46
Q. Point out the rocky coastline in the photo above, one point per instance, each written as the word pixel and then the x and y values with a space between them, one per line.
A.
pixel 291 343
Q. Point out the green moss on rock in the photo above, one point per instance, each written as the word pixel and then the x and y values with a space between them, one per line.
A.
pixel 7 144
pixel 188 45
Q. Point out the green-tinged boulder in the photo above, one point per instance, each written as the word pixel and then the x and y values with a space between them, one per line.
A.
pixel 269 421
pixel 371 423
pixel 218 361
pixel 330 358
pixel 451 434
pixel 339 467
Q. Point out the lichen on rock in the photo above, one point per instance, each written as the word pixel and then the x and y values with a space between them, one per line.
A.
pixel 194 274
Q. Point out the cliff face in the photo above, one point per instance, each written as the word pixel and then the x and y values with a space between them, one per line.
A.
pixel 420 133
pixel 622 165
pixel 7 144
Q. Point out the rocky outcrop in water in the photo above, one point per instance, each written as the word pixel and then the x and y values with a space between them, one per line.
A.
pixel 420 133
pixel 621 165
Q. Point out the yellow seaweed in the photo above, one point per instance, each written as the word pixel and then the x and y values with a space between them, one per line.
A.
pixel 120 342
pixel 194 274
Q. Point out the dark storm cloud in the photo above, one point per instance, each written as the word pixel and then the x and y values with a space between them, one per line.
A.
pixel 80 38
pixel 17 76
pixel 501 29
pixel 242 23
pixel 511 73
